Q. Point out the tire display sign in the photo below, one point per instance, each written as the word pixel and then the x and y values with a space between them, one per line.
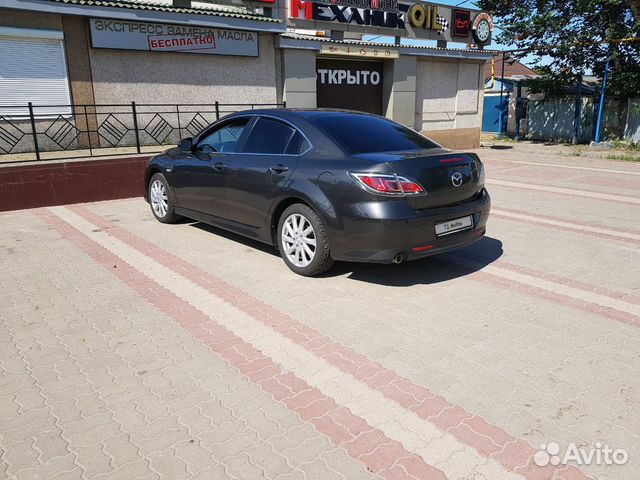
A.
pixel 482 28
pixel 349 84
pixel 158 37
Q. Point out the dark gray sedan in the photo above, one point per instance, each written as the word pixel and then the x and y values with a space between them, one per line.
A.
pixel 323 185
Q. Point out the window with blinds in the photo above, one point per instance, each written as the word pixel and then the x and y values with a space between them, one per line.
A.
pixel 33 69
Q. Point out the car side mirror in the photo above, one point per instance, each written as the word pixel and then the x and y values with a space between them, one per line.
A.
pixel 186 144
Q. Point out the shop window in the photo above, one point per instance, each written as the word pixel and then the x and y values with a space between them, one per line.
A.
pixel 33 69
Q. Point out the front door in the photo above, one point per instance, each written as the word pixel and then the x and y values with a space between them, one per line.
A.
pixel 349 84
pixel 269 156
pixel 199 177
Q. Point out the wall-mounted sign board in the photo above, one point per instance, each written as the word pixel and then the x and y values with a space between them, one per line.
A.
pixel 158 37
pixel 392 17
pixel 358 51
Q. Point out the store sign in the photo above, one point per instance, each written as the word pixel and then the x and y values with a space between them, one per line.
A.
pixel 417 19
pixel 344 14
pixel 341 76
pixel 461 23
pixel 386 5
pixel 358 51
pixel 157 37
pixel 482 27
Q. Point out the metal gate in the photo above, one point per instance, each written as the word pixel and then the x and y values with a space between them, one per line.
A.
pixel 349 84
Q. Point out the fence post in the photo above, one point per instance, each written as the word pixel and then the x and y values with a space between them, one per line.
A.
pixel 217 110
pixel 284 104
pixel 33 131
pixel 518 108
pixel 575 138
pixel 135 125
pixel 86 122
pixel 179 126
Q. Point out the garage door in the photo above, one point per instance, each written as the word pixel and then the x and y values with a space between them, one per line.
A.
pixel 349 84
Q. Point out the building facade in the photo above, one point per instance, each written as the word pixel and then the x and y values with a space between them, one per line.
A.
pixel 65 56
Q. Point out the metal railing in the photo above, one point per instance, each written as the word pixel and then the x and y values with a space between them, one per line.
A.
pixel 47 132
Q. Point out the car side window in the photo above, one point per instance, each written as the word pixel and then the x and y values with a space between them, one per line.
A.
pixel 297 145
pixel 224 139
pixel 269 136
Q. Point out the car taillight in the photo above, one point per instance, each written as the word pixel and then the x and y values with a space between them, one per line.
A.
pixel 480 169
pixel 388 184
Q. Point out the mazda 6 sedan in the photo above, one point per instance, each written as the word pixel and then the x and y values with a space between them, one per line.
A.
pixel 323 185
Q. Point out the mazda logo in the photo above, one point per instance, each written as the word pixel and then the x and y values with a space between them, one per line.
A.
pixel 456 179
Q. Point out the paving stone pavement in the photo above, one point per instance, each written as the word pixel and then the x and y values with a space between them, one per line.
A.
pixel 131 349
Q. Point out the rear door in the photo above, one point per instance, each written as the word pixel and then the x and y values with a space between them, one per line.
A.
pixel 257 174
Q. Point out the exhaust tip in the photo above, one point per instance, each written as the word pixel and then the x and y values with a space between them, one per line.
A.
pixel 399 258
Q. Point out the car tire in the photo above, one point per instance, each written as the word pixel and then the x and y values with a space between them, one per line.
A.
pixel 297 243
pixel 162 200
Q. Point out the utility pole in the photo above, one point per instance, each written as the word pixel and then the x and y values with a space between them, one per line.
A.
pixel 601 107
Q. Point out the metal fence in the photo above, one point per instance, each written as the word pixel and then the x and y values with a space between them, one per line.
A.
pixel 46 132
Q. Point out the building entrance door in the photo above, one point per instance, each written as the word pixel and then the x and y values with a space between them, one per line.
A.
pixel 349 84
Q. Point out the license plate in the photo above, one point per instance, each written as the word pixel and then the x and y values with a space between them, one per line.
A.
pixel 452 226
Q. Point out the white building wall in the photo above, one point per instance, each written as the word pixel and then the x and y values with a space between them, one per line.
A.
pixel 449 101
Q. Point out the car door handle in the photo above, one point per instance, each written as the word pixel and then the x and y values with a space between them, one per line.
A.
pixel 219 165
pixel 280 168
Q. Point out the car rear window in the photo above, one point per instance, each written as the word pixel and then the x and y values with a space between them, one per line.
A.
pixel 368 134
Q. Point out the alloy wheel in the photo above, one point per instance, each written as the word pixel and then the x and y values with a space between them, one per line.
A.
pixel 299 240
pixel 159 198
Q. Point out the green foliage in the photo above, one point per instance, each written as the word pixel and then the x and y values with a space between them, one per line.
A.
pixel 624 158
pixel 626 145
pixel 568 31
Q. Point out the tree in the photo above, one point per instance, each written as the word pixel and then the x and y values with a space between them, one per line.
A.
pixel 578 35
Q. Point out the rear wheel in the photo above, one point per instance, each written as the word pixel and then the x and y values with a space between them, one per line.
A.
pixel 161 200
pixel 303 242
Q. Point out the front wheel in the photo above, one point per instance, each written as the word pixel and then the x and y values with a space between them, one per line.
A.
pixel 303 242
pixel 161 199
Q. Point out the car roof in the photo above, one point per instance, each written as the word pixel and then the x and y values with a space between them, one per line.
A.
pixel 306 113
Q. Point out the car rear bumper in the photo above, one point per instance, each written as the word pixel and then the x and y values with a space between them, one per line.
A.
pixel 413 236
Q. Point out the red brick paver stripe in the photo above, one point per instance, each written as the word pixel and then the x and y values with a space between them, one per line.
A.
pixel 607 171
pixel 364 443
pixel 572 221
pixel 568 225
pixel 552 277
pixel 609 197
pixel 469 429
pixel 476 272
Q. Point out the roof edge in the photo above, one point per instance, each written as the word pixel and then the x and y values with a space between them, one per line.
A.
pixel 310 42
pixel 149 13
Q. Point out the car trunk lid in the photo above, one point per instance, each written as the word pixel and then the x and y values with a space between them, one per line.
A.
pixel 449 178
